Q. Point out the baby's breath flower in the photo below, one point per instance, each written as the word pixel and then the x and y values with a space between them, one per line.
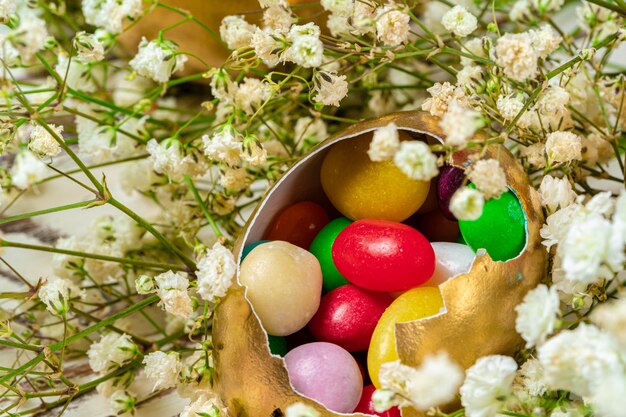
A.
pixel 216 269
pixel 299 409
pixel 383 400
pixel 392 25
pixel 88 47
pixel 545 40
pixel 7 9
pixel 272 3
pixel 111 350
pixel 43 143
pixel 537 315
pixel 306 50
pixel 251 93
pixel 110 14
pixel 517 56
pixel 267 46
pixel 223 146
pixel 207 405
pixel 162 369
pixel 469 77
pixel 234 178
pixel 168 158
pixel 520 11
pixel 611 317
pixel 158 60
pixel 547 5
pixel 487 385
pixel 441 96
pixel 556 193
pixel 236 32
pixel 509 106
pixel 330 87
pixel 563 147
pixel 56 295
pixel 459 124
pixel 385 142
pixel 467 204
pixel 76 75
pixel 338 7
pixel 27 169
pixel 531 377
pixel 172 290
pixel 252 151
pixel 278 19
pixel 144 284
pixel 488 177
pixel 415 159
pixel 459 21
pixel 122 402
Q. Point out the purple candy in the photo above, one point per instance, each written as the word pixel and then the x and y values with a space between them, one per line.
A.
pixel 327 374
pixel 450 179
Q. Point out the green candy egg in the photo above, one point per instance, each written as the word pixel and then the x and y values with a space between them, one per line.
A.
pixel 278 345
pixel 322 249
pixel 501 229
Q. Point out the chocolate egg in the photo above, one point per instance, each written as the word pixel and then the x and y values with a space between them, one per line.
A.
pixel 347 317
pixel 412 305
pixel 326 373
pixel 299 224
pixel 284 285
pixel 360 188
pixel 381 255
pixel 322 249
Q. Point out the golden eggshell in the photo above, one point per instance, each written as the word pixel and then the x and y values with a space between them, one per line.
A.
pixel 479 318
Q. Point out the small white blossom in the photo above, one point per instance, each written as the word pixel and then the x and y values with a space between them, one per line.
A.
pixel 563 147
pixel 110 14
pixel 469 77
pixel 7 9
pixel 416 160
pixel 609 396
pixel 545 40
pixel 112 349
pixel 76 75
pixel 306 50
pixel 330 87
pixel 278 19
pixel 158 60
pixel 168 158
pixel 89 47
pixel 611 317
pixel 509 106
pixel 251 94
pixel 236 32
pixel 441 96
pixel 216 269
pixel 27 169
pixel 383 400
pixel 558 223
pixel 459 21
pixel 385 142
pixel 301 410
pixel 392 25
pixel 487 383
pixel 532 377
pixel 517 56
pixel 467 204
pixel 172 290
pixel 459 124
pixel 272 3
pixel 223 146
pixel 537 315
pixel 122 402
pixel 56 295
pixel 338 7
pixel 547 5
pixel 266 47
pixel 252 151
pixel 207 404
pixel 234 178
pixel 43 143
pixel 144 284
pixel 576 360
pixel 488 177
pixel 556 193
pixel 162 369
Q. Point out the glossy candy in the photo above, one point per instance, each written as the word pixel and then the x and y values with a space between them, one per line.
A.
pixel 284 285
pixel 347 317
pixel 412 305
pixel 436 227
pixel 385 256
pixel 450 179
pixel 278 345
pixel 366 404
pixel 360 188
pixel 249 248
pixel 326 373
pixel 501 229
pixel 298 224
pixel 452 259
pixel 322 249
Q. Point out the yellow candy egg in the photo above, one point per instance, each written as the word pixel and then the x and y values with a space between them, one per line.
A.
pixel 412 305
pixel 360 188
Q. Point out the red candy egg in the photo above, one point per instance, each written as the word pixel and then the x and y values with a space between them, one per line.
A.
pixel 347 317
pixel 366 405
pixel 381 255
pixel 298 224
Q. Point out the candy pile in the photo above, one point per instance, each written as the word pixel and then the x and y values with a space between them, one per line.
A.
pixel 329 292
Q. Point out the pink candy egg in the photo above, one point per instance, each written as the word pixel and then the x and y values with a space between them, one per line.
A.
pixel 327 374
pixel 382 255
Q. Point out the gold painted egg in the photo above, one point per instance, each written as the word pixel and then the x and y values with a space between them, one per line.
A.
pixel 477 319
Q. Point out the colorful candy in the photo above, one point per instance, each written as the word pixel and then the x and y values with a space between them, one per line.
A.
pixel 298 224
pixel 278 345
pixel 360 188
pixel 348 315
pixel 452 259
pixel 501 229
pixel 450 179
pixel 326 373
pixel 366 404
pixel 284 285
pixel 412 305
pixel 381 255
pixel 322 249
pixel 248 248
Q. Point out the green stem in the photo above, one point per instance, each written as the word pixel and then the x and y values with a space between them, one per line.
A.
pixel 203 206
pixel 46 211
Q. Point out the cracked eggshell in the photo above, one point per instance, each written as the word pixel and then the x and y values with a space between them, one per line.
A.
pixel 478 318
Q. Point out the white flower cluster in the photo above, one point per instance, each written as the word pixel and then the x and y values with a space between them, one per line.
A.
pixel 112 350
pixel 216 270
pixel 111 14
pixel 158 60
pixel 162 369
